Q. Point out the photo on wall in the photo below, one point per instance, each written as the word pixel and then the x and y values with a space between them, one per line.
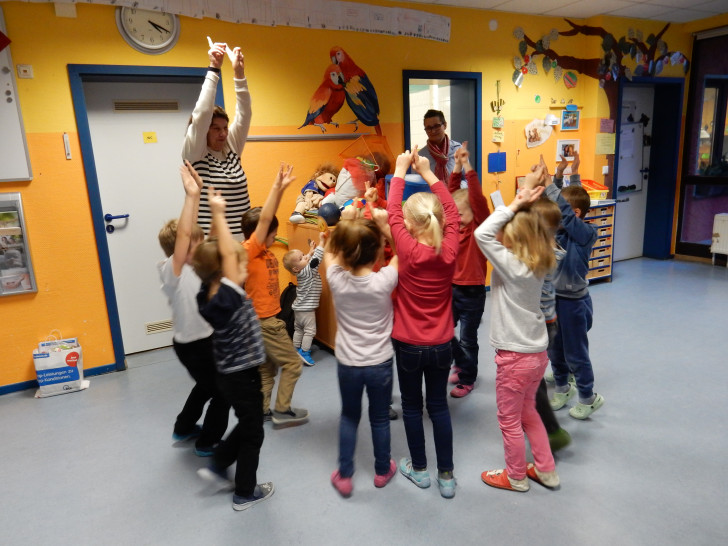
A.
pixel 566 148
pixel 570 120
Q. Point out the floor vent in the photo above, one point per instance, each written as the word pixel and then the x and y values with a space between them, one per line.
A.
pixel 159 326
pixel 146 106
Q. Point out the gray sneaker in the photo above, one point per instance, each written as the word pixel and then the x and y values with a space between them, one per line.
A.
pixel 291 418
pixel 261 492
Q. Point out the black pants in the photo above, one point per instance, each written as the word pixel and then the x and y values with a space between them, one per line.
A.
pixel 242 390
pixel 542 398
pixel 198 358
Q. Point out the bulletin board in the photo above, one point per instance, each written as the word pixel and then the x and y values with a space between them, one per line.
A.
pixel 14 159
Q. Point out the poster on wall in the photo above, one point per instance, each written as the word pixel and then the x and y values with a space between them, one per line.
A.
pixel 537 132
pixel 16 269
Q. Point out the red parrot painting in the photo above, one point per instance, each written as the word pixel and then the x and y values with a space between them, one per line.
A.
pixel 327 99
pixel 360 94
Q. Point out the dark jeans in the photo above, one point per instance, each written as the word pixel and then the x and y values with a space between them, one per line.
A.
pixel 542 398
pixel 570 350
pixel 378 383
pixel 468 303
pixel 433 363
pixel 243 392
pixel 198 358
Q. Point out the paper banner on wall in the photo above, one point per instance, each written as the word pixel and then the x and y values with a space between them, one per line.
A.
pixel 604 143
pixel 606 125
pixel 537 132
pixel 498 136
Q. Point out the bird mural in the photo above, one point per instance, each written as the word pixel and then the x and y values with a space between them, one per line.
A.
pixel 360 94
pixel 327 99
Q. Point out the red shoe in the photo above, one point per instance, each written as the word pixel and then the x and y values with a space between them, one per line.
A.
pixel 380 480
pixel 547 479
pixel 460 391
pixel 342 485
pixel 499 478
pixel 454 377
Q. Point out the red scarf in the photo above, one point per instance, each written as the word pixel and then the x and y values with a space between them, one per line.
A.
pixel 439 154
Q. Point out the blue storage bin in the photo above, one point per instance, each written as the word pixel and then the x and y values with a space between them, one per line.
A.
pixel 413 183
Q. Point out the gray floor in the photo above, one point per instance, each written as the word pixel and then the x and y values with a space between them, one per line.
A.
pixel 99 466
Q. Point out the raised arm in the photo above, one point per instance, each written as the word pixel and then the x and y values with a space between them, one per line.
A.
pixel 421 165
pixel 226 245
pixel 283 180
pixel 187 218
pixel 238 134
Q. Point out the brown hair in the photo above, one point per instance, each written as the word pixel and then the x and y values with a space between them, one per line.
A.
pixel 217 112
pixel 168 236
pixel 425 214
pixel 207 263
pixel 357 242
pixel 578 198
pixel 435 114
pixel 461 197
pixel 249 222
pixel 325 168
pixel 525 235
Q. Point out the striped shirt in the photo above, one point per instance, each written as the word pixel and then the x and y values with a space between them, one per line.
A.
pixel 220 169
pixel 308 291
pixel 237 340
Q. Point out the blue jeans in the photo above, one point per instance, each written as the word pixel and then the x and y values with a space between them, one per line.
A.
pixel 433 363
pixel 468 303
pixel 569 351
pixel 378 382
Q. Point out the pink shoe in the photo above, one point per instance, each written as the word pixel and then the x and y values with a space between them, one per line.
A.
pixel 454 375
pixel 342 485
pixel 380 480
pixel 461 391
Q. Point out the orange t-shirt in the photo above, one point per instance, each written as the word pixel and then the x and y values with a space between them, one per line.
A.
pixel 262 284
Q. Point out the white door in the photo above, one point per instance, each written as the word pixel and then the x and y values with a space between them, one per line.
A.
pixel 630 188
pixel 137 156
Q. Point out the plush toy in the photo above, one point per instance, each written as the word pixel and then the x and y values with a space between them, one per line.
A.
pixel 351 183
pixel 313 192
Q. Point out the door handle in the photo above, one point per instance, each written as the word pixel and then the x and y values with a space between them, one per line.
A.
pixel 110 217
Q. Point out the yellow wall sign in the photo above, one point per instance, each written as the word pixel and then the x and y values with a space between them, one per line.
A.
pixel 149 137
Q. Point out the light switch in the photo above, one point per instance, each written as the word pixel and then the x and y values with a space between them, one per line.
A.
pixel 25 71
pixel 605 169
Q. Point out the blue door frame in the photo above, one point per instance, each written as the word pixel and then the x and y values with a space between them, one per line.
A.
pixel 77 75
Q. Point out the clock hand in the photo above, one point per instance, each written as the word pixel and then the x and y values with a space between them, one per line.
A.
pixel 158 27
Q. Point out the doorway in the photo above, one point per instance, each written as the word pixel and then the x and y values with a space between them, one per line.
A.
pixel 132 161
pixel 645 167
pixel 457 95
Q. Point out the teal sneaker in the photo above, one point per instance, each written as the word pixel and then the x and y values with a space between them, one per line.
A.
pixel 421 478
pixel 559 399
pixel 305 357
pixel 446 482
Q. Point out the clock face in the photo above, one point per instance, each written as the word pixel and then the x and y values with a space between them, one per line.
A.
pixel 146 30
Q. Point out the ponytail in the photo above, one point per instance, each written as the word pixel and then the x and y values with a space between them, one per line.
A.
pixel 425 214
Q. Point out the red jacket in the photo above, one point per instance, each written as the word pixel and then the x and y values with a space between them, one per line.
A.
pixel 471 264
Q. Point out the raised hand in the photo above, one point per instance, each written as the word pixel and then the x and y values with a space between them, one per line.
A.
pixel 561 166
pixel 237 60
pixel 420 164
pixel 525 197
pixel 404 160
pixel 575 163
pixel 462 155
pixel 370 193
pixel 190 179
pixel 216 54
pixel 216 200
pixel 285 176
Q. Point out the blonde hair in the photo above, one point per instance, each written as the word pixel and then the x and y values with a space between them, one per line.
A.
pixel 356 242
pixel 425 215
pixel 461 198
pixel 287 258
pixel 207 263
pixel 550 214
pixel 527 237
pixel 168 236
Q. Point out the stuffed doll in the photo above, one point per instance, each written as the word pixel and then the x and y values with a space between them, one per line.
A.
pixel 313 192
pixel 351 183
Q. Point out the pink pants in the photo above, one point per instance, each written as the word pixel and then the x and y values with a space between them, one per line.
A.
pixel 516 382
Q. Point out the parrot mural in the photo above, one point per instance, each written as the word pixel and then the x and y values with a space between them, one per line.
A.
pixel 360 94
pixel 327 99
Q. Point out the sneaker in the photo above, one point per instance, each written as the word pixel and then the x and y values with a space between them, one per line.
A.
pixel 446 482
pixel 267 416
pixel 549 377
pixel 559 440
pixel 393 416
pixel 217 479
pixel 559 399
pixel 297 218
pixel 342 485
pixel 290 418
pixel 582 411
pixel 454 375
pixel 421 478
pixel 261 492
pixel 306 357
pixel 204 451
pixel 380 480
pixel 194 433
pixel 547 479
pixel 461 391
pixel 500 479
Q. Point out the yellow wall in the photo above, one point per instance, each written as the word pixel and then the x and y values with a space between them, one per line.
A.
pixel 284 66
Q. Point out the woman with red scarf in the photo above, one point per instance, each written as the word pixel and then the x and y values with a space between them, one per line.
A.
pixel 440 150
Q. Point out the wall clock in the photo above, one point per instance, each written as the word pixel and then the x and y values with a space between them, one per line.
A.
pixel 148 31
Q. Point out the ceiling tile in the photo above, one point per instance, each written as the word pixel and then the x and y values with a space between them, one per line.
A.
pixel 529 6
pixel 588 8
pixel 683 15
pixel 641 11
pixel 716 6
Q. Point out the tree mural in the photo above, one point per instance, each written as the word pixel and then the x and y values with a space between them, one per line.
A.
pixel 650 55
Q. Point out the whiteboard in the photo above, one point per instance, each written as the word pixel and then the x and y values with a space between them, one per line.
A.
pixel 14 159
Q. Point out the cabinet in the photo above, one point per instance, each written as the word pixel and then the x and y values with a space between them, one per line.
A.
pixel 600 262
pixel 298 236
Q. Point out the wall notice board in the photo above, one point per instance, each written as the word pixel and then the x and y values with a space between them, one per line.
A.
pixel 14 159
